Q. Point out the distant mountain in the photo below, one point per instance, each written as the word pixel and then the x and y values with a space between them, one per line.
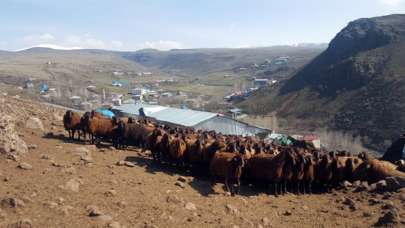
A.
pixel 193 62
pixel 356 85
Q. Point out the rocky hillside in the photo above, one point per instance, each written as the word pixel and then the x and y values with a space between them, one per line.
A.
pixel 200 62
pixel 355 86
pixel 51 181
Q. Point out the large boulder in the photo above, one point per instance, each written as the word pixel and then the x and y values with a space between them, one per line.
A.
pixel 10 142
pixel 34 123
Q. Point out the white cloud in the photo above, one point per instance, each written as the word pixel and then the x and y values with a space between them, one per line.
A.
pixel 391 2
pixel 117 43
pixel 37 38
pixel 69 42
pixel 162 44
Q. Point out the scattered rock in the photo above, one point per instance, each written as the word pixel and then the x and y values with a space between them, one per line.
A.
pixel 174 199
pixel 349 202
pixel 122 204
pixel 305 208
pixel 45 157
pixel 362 187
pixel 367 214
pixel 180 184
pixel 24 166
pixel 114 225
pixel 356 183
pixel 395 183
pixel 86 158
pixel 388 206
pixel 72 185
pixel 389 218
pixel 70 170
pixel 182 179
pixel 24 223
pixel 266 221
pixel 373 201
pixel 347 184
pixel 94 211
pixel 34 123
pixel 120 163
pixel 129 164
pixel 11 203
pixel 32 146
pixel 381 185
pixel 287 213
pixel 10 141
pixel 230 209
pixel 13 157
pixel 190 206
pixel 111 192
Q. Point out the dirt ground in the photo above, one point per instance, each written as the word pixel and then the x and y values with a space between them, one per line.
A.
pixel 68 179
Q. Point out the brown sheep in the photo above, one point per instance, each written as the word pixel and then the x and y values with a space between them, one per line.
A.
pixel 177 149
pixel 268 168
pixel 299 172
pixel 309 173
pixel 71 122
pixel 100 128
pixel 227 166
pixel 324 172
pixel 379 170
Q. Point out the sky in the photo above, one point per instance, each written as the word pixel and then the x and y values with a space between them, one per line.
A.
pixel 168 24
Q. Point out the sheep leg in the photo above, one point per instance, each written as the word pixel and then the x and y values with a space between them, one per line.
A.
pixel 304 186
pixel 283 191
pixel 275 188
pixel 298 187
pixel 237 186
pixel 228 189
pixel 310 187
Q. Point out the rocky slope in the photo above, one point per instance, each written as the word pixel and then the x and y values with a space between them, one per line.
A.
pixel 354 86
pixel 62 183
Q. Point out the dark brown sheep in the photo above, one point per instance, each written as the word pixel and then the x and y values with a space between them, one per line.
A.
pixel 227 166
pixel 71 122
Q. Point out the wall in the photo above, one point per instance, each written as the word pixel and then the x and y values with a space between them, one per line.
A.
pixel 228 126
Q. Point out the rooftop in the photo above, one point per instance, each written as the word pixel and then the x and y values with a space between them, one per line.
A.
pixel 183 117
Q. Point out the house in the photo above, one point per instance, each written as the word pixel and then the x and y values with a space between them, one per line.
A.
pixel 198 120
pixel 76 100
pixel 260 82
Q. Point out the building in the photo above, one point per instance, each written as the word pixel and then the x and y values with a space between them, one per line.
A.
pixel 191 118
pixel 260 82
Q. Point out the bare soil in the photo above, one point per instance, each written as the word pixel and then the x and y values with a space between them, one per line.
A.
pixel 146 195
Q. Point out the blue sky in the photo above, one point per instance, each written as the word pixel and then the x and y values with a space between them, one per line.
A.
pixel 165 24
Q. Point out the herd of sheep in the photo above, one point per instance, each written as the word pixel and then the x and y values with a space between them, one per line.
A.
pixel 230 158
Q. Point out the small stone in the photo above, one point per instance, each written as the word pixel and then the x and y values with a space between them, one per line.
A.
pixel 356 183
pixel 45 157
pixel 367 214
pixel 347 184
pixel 122 204
pixel 86 158
pixel 388 206
pixel 373 201
pixel 24 223
pixel 33 146
pixel 180 184
pixel 24 166
pixel 305 208
pixel 70 170
pixel 381 185
pixel 12 203
pixel 389 218
pixel 287 213
pixel 266 221
pixel 111 192
pixel 94 211
pixel 72 185
pixel 190 206
pixel 182 179
pixel 230 209
pixel 174 199
pixel 129 164
pixel 362 187
pixel 114 225
pixel 349 202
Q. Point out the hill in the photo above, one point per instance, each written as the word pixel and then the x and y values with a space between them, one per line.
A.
pixel 52 181
pixel 355 86
pixel 197 62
